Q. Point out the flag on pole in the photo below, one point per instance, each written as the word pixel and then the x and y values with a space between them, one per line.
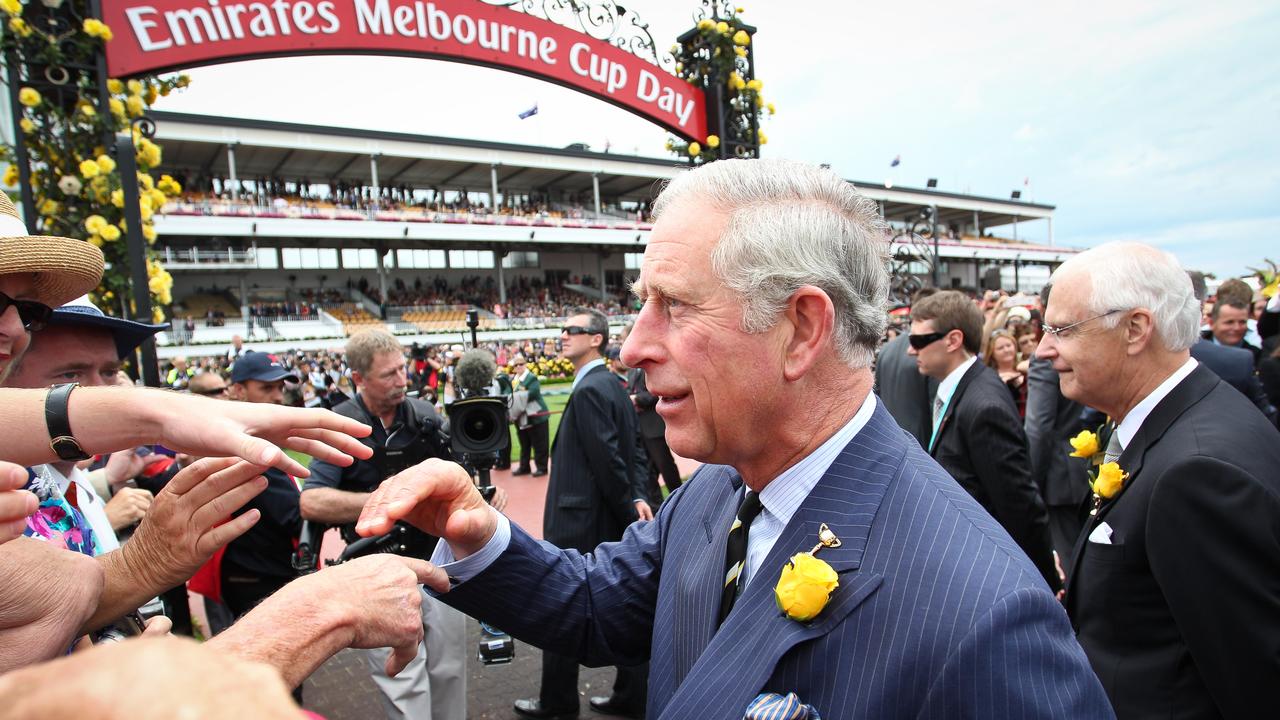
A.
pixel 897 160
pixel 530 112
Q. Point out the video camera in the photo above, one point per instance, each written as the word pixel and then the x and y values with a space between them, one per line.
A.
pixel 478 419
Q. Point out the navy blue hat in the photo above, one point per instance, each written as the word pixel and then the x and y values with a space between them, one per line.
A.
pixel 260 366
pixel 127 333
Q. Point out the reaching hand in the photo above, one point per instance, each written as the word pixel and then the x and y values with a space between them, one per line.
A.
pixel 181 531
pixel 382 601
pixel 644 511
pixel 15 503
pixel 127 507
pixel 252 431
pixel 123 466
pixel 438 498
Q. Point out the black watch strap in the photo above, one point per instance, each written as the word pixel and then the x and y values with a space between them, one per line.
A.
pixel 58 421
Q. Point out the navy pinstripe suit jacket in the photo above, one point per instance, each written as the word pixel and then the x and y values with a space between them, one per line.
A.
pixel 938 613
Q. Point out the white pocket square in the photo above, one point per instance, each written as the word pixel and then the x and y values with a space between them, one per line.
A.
pixel 1101 534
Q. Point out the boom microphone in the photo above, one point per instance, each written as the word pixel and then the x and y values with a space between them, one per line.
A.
pixel 475 373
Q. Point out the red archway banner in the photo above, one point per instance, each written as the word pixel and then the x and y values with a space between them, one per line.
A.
pixel 158 35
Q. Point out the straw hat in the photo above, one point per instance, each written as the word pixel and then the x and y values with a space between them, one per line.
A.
pixel 64 268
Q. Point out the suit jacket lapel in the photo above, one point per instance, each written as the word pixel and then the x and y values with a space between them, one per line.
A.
pixel 1184 395
pixel 721 683
pixel 950 410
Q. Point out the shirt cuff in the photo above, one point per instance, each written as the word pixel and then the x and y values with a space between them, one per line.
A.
pixel 468 567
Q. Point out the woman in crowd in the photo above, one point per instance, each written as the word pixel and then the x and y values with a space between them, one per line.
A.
pixel 1002 356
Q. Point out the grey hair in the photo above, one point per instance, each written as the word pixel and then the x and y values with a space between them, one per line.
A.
pixel 789 225
pixel 1127 275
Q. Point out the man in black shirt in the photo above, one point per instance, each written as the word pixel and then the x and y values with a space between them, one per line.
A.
pixel 259 562
pixel 405 432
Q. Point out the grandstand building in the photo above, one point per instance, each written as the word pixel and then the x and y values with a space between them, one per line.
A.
pixel 295 235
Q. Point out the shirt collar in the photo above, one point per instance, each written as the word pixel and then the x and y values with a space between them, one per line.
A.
pixel 947 387
pixel 582 372
pixel 784 494
pixel 1132 422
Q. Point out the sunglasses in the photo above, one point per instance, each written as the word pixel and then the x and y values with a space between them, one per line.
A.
pixel 34 315
pixel 920 342
pixel 574 330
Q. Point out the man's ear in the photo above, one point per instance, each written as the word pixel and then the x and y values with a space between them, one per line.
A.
pixel 812 319
pixel 1139 327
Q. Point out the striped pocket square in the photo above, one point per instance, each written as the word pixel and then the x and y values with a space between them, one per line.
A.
pixel 772 706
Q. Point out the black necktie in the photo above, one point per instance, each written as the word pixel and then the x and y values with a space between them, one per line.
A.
pixel 736 551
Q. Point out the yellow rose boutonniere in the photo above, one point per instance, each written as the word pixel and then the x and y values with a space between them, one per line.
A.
pixel 806 582
pixel 1109 481
pixel 1085 444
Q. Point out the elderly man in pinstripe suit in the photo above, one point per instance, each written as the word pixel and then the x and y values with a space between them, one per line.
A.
pixel 764 298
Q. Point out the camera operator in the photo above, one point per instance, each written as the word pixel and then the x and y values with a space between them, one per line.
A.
pixel 405 432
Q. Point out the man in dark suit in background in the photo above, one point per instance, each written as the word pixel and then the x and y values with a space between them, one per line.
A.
pixel 591 499
pixel 907 395
pixel 977 434
pixel 1175 581
pixel 1234 365
pixel 1051 421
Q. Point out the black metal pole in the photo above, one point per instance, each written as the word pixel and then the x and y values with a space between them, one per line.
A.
pixel 20 146
pixel 937 259
pixel 137 245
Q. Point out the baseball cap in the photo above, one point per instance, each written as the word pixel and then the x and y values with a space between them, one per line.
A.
pixel 260 366
pixel 128 334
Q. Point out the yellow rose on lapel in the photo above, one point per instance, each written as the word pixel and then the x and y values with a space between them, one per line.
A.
pixel 1085 444
pixel 805 586
pixel 1110 479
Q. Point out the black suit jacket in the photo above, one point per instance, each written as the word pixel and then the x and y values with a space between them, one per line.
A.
pixel 591 496
pixel 1235 367
pixel 651 423
pixel 982 445
pixel 1180 614
pixel 906 394
pixel 1052 420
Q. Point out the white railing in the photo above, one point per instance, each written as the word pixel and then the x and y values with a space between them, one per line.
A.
pixel 170 256
pixel 223 208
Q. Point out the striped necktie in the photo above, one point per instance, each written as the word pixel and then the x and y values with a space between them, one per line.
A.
pixel 736 551
pixel 1114 448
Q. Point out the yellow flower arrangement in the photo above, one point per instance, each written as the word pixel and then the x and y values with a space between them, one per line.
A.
pixel 94 224
pixel 771 108
pixel 1085 445
pixel 106 164
pixel 29 96
pixel 117 107
pixel 741 38
pixel 11 7
pixel 11 175
pixel 110 233
pixel 694 149
pixel 705 24
pixel 722 27
pixel 135 87
pixel 89 168
pixel 117 198
pixel 1109 481
pixel 96 28
pixel 169 186
pixel 736 82
pixel 713 141
pixel 149 232
pixel 804 587
pixel 114 86
pixel 27 126
pixel 756 85
pixel 133 105
pixel 764 139
pixel 20 27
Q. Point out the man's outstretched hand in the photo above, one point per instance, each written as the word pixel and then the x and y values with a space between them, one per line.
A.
pixel 436 497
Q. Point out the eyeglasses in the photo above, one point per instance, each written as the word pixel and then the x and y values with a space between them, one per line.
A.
pixel 211 392
pixel 1059 331
pixel 34 315
pixel 574 330
pixel 920 342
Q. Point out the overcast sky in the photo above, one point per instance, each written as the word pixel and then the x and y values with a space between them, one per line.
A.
pixel 1148 120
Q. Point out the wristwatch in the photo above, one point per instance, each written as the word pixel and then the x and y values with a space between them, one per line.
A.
pixel 62 442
